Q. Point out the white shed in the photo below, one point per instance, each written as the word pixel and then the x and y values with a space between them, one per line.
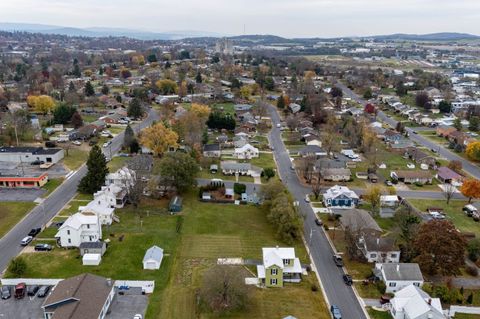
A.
pixel 91 259
pixel 153 258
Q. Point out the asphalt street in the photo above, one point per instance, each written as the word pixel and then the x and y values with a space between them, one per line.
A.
pixel 42 213
pixel 321 252
pixel 468 166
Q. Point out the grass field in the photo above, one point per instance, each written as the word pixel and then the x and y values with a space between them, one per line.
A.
pixel 51 185
pixel 453 211
pixel 75 158
pixel 227 107
pixel 116 163
pixel 466 316
pixel 205 173
pixel 11 213
pixel 264 160
pixel 374 314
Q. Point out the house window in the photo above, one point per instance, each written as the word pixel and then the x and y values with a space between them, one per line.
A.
pixel 286 262
pixel 394 255
pixel 88 226
pixel 68 231
pixel 274 271
pixel 273 282
pixel 392 284
pixel 373 255
pixel 416 284
pixel 69 241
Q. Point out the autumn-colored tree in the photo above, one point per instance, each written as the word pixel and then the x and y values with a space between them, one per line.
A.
pixel 455 166
pixel 445 252
pixel 182 89
pixel 138 59
pixel 471 189
pixel 245 92
pixel 369 108
pixel 200 110
pixel 372 195
pixel 473 151
pixel 159 138
pixel 167 86
pixel 42 104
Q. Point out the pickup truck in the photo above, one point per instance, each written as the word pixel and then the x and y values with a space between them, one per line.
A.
pixel 338 260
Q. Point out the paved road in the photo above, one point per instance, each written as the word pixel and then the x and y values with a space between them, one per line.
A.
pixel 468 166
pixel 331 275
pixel 40 215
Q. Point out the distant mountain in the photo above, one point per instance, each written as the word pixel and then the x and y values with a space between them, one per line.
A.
pixel 443 36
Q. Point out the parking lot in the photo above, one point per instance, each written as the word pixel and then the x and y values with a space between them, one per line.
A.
pixel 20 194
pixel 28 308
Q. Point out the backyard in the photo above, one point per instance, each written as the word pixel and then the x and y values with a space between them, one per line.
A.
pixel 12 213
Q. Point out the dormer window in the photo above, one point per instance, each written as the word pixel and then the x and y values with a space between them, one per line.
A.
pixel 286 262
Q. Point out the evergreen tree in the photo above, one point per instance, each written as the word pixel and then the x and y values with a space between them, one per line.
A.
pixel 76 120
pixel 105 90
pixel 97 171
pixel 152 58
pixel 63 113
pixel 474 123
pixel 457 123
pixel 128 137
pixel 76 70
pixel 445 107
pixel 269 83
pixel 198 78
pixel 71 87
pixel 281 102
pixel 89 90
pixel 134 146
pixel 135 109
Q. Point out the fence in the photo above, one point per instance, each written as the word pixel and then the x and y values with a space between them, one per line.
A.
pixel 147 286
pixel 463 309
pixel 30 281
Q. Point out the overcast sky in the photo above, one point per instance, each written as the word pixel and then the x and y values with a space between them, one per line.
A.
pixel 290 18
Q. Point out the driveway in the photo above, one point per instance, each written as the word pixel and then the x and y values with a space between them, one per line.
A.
pixel 26 308
pixel 132 302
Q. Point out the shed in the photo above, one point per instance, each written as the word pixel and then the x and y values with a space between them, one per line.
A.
pixel 229 193
pixel 175 205
pixel 91 259
pixel 153 258
pixel 92 247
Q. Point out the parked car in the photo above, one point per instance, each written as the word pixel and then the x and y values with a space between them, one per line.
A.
pixel 50 144
pixel 37 162
pixel 34 232
pixel 138 316
pixel 307 199
pixel 347 279
pixel 338 260
pixel 43 247
pixel 5 292
pixel 336 314
pixel 388 183
pixel 27 240
pixel 77 143
pixel 20 290
pixel 318 221
pixel 43 291
pixel 385 299
pixel 107 144
pixel 32 290
pixel 470 210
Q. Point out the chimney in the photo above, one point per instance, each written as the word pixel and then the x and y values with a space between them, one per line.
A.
pixel 429 301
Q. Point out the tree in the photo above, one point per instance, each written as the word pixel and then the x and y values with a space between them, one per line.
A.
pixel 181 168
pixel 368 94
pixel 408 223
pixel 152 58
pixel 219 121
pixel 473 249
pixel 473 151
pixel 167 86
pixel 444 106
pixel 400 127
pixel 281 102
pixel 285 218
pixel 135 191
pixel 134 147
pixel 369 108
pixel 245 92
pixel 445 251
pixel 42 104
pixel 105 90
pixel 457 124
pixel 448 190
pixel 336 92
pixel 269 173
pixel 474 123
pixel 17 267
pixel 198 78
pixel 239 188
pixel 89 90
pixel 455 166
pixel 400 89
pixel 63 113
pixel 272 189
pixel 471 189
pixel 159 138
pixel 269 83
pixel 223 289
pixel 372 195
pixel 97 171
pixel 135 109
pixel 423 100
pixel 128 137
pixel 76 120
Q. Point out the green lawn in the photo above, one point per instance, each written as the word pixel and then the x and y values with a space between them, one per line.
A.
pixel 75 158
pixel 51 185
pixel 205 173
pixel 264 160
pixel 116 163
pixel 374 314
pixel 453 212
pixel 466 316
pixel 11 213
pixel 227 107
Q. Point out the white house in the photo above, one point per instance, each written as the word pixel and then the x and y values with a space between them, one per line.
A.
pixel 247 151
pixel 379 249
pixel 153 258
pixel 123 177
pixel 411 302
pixel 113 195
pixel 79 228
pixel 399 275
pixel 340 197
pixel 102 207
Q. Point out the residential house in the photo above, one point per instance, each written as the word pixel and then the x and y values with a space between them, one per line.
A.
pixel 212 150
pixel 336 174
pixel 30 154
pixel 312 151
pixel 412 177
pixel 153 258
pixel 79 228
pixel 379 249
pixel 83 133
pixel 101 206
pixel 294 107
pixel 388 205
pixel 420 157
pixel 340 197
pixel 222 139
pixel 399 275
pixel 411 302
pixel 82 296
pixel 242 107
pixel 311 139
pixel 448 176
pixel 234 168
pixel 359 220
pixel 239 141
pixel 444 130
pixel 246 152
pixel 279 265
pixel 114 195
pixel 123 177
pixel 93 247
pixel 391 136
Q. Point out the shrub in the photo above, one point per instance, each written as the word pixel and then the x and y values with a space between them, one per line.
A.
pixel 314 287
pixel 472 271
pixel 18 267
pixel 239 188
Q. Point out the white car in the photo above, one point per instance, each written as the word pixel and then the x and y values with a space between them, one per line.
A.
pixel 27 240
pixel 307 199
pixel 106 144
pixel 138 316
pixel 77 143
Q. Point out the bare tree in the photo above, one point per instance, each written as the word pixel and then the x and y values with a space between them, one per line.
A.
pixel 306 168
pixel 448 191
pixel 224 289
pixel 292 122
pixel 135 190
pixel 317 181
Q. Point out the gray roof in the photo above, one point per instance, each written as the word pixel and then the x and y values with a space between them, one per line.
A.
pixel 32 150
pixel 384 244
pixel 235 166
pixel 336 171
pixel 402 271
pixel 358 219
pixel 155 253
pixel 92 245
pixel 211 147
pixel 311 149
